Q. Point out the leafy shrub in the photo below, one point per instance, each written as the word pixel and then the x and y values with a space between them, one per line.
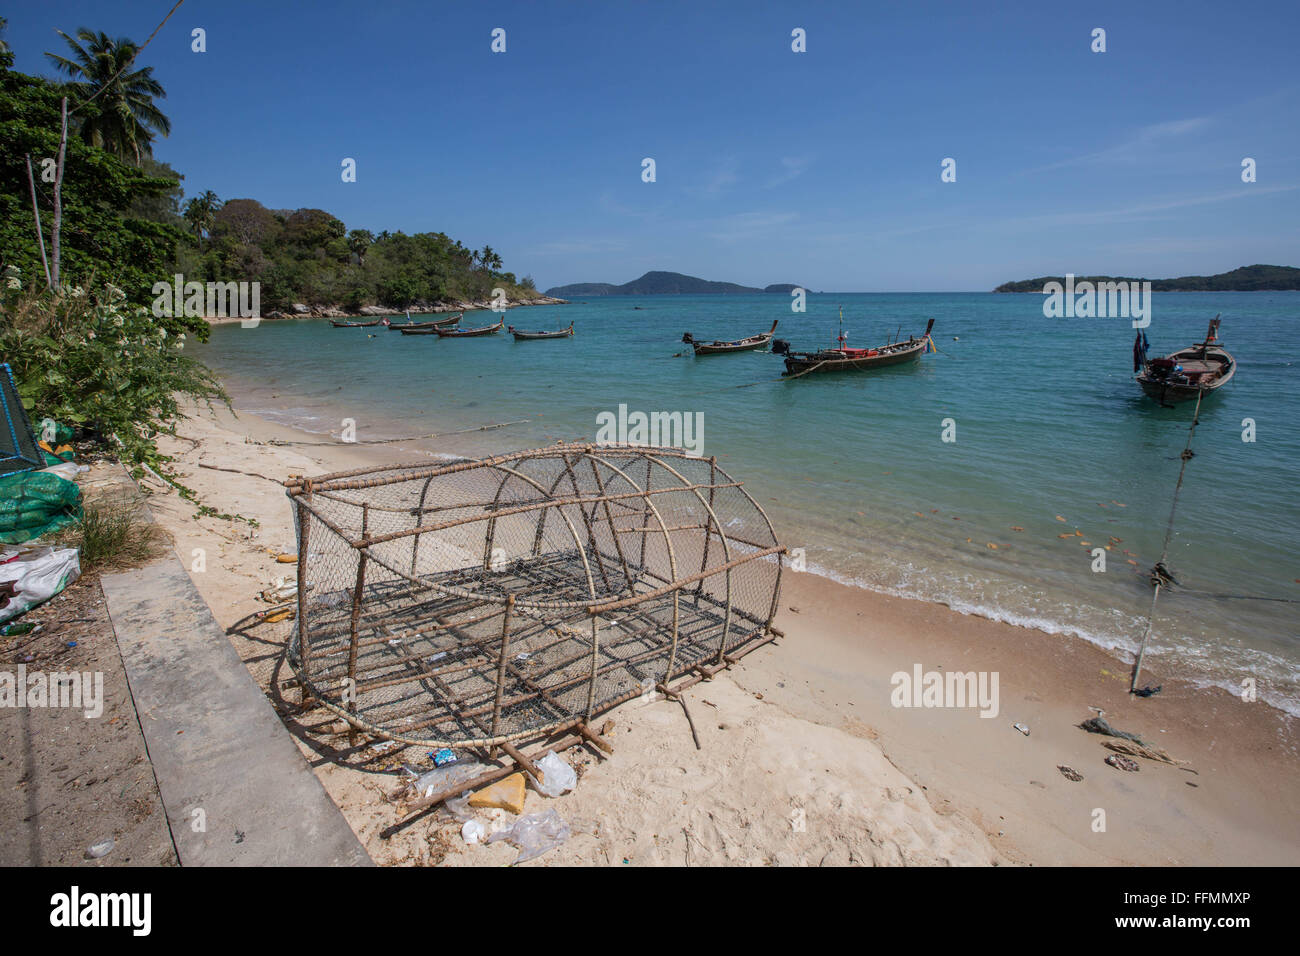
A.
pixel 97 362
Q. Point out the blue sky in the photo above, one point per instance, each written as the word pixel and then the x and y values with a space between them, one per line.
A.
pixel 821 168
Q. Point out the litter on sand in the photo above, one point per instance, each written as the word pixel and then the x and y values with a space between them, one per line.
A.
pixel 30 576
pixel 1123 763
pixel 447 777
pixel 1069 773
pixel 1022 728
pixel 1148 753
pixel 507 794
pixel 534 834
pixel 1098 725
pixel 557 776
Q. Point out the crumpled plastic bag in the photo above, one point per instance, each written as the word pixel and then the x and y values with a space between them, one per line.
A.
pixel 448 776
pixel 558 776
pixel 30 576
pixel 459 808
pixel 534 834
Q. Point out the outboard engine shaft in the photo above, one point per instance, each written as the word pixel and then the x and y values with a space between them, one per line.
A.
pixel 780 347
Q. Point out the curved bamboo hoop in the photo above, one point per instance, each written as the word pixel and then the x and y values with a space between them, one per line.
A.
pixel 596 562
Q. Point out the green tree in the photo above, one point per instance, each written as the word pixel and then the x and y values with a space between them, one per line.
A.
pixel 103 237
pixel 124 119
pixel 201 213
pixel 245 222
pixel 164 207
pixel 360 241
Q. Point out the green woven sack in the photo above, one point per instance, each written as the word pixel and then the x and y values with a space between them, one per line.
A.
pixel 33 504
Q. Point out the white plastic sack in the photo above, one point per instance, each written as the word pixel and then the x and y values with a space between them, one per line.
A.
pixel 68 470
pixel 534 834
pixel 36 575
pixel 557 776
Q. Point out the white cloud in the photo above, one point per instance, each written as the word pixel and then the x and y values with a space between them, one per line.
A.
pixel 792 167
pixel 1137 147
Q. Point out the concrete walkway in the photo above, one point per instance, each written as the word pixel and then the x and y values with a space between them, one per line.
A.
pixel 236 788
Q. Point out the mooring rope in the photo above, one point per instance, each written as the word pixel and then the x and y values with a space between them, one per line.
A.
pixel 1159 573
pixel 385 441
pixel 1237 597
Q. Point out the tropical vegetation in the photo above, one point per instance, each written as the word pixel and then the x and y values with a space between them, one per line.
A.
pixel 91 220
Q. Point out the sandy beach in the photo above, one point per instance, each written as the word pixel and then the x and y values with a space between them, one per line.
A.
pixel 803 759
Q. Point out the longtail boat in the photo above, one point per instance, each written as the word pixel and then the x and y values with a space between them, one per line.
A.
pixel 845 359
pixel 359 325
pixel 426 328
pixel 739 345
pixel 1186 374
pixel 522 336
pixel 466 333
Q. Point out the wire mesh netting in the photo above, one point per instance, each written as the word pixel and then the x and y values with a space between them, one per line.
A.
pixel 487 601
pixel 18 449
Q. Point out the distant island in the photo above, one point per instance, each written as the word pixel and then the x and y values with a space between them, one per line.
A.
pixel 662 283
pixel 1246 279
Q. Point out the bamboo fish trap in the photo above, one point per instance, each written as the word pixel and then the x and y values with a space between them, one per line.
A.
pixel 481 603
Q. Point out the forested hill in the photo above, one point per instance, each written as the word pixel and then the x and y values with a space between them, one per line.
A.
pixel 657 283
pixel 126 221
pixel 1246 279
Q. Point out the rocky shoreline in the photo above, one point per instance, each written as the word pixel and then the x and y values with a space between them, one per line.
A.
pixel 301 311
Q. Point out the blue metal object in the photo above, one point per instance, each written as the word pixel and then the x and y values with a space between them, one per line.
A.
pixel 18 448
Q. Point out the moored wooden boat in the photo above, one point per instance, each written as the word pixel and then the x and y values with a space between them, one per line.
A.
pixel 466 333
pixel 358 325
pixel 426 328
pixel 522 336
pixel 845 359
pixel 739 345
pixel 1188 373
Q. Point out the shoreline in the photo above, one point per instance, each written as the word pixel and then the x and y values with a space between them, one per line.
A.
pixel 831 675
pixel 378 311
pixel 1118 641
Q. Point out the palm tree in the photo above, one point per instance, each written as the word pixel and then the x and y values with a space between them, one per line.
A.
pixel 201 212
pixel 126 119
pixel 359 241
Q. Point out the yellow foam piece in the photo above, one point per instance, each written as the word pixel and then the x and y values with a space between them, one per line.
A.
pixel 507 794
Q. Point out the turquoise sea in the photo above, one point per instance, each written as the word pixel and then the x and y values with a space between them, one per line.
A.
pixel 853 468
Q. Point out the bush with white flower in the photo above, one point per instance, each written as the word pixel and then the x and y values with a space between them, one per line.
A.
pixel 71 362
